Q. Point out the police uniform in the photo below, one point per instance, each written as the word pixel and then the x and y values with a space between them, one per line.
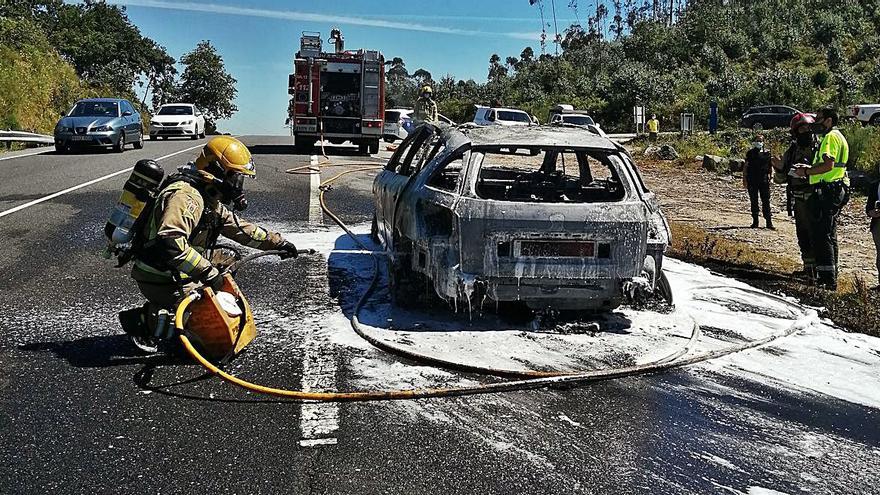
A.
pixel 829 195
pixel 426 110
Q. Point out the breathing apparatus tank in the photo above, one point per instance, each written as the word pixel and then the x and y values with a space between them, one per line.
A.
pixel 139 190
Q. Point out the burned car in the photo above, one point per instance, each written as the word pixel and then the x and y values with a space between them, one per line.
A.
pixel 556 217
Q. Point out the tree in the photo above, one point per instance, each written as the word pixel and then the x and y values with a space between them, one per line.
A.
pixel 206 84
pixel 99 40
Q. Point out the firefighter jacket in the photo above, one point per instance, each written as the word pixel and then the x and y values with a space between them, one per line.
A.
pixel 426 110
pixel 182 227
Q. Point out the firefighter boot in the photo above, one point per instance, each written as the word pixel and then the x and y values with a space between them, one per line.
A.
pixel 755 222
pixel 134 324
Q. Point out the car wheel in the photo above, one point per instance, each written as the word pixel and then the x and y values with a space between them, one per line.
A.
pixel 120 145
pixel 164 137
pixel 388 139
pixel 194 136
pixel 374 230
pixel 663 289
pixel 202 134
pixel 363 149
pixel 374 147
pixel 757 126
pixel 407 287
pixel 139 144
pixel 152 137
pixel 875 119
pixel 303 147
pixel 60 148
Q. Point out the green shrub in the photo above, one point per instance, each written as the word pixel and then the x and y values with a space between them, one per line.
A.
pixel 864 147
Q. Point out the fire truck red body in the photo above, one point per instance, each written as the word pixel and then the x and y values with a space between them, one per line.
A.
pixel 337 96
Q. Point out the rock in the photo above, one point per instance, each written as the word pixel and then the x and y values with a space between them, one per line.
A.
pixel 736 165
pixel 663 152
pixel 667 153
pixel 715 163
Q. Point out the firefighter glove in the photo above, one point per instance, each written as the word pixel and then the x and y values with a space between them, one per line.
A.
pixel 289 250
pixel 213 279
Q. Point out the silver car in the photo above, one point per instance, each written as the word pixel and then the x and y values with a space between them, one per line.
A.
pixel 101 122
pixel 557 217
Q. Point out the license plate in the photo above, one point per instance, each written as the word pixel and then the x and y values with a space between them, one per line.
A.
pixel 557 249
pixel 81 138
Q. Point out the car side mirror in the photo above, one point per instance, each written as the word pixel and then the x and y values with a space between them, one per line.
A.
pixel 126 113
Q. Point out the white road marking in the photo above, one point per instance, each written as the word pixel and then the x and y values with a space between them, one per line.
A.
pixel 86 184
pixel 316 216
pixel 48 149
pixel 318 421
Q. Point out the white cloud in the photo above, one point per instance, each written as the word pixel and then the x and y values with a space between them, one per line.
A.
pixel 291 15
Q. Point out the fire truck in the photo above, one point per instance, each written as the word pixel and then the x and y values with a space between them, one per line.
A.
pixel 338 96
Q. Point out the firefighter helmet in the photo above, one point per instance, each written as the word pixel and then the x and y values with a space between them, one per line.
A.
pixel 227 152
pixel 427 90
pixel 801 119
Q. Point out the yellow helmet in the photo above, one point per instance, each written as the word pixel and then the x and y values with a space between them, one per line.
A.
pixel 229 153
pixel 427 89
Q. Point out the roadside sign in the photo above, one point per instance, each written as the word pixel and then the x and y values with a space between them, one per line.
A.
pixel 687 123
pixel 639 119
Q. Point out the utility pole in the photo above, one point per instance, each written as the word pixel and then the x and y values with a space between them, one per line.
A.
pixel 555 26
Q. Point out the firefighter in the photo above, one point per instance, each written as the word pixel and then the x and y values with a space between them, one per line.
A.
pixel 830 184
pixel 426 107
pixel 180 234
pixel 800 153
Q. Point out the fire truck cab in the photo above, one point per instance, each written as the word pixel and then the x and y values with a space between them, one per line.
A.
pixel 338 96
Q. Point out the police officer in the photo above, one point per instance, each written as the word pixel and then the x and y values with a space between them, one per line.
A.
pixel 426 107
pixel 800 153
pixel 178 238
pixel 827 176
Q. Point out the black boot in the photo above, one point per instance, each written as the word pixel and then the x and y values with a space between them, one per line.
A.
pixel 770 224
pixel 134 323
pixel 754 222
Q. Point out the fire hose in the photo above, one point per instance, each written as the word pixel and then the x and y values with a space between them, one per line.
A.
pixel 529 380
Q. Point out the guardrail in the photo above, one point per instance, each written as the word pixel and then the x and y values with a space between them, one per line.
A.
pixel 25 137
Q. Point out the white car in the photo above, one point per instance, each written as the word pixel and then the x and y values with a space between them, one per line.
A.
pixel 178 119
pixel 572 118
pixel 399 123
pixel 866 114
pixel 501 116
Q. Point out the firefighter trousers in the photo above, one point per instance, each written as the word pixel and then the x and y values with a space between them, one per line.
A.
pixel 801 210
pixel 825 205
pixel 163 297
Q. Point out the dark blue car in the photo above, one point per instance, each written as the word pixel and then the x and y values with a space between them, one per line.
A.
pixel 101 122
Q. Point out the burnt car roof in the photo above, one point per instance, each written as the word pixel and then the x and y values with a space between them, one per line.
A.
pixel 532 136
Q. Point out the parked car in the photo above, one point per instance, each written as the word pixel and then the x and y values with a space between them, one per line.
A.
pixel 768 117
pixel 178 119
pixel 552 216
pixel 566 114
pixel 501 116
pixel 866 114
pixel 398 123
pixel 104 122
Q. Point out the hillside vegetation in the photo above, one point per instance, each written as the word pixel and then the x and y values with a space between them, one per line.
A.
pixel 678 56
pixel 53 53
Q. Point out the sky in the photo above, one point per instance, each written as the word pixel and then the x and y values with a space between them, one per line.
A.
pixel 258 39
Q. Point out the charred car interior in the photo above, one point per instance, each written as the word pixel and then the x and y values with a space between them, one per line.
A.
pixel 555 217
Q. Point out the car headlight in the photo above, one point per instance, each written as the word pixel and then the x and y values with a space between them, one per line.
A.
pixel 64 128
pixel 103 128
pixel 188 122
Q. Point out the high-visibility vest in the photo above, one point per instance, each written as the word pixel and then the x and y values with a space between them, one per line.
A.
pixel 653 125
pixel 834 145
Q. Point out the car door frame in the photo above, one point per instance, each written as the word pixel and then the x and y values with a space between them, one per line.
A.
pixel 391 181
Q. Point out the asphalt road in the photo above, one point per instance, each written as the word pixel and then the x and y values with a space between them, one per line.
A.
pixel 82 412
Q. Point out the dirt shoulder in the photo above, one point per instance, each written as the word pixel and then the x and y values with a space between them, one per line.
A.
pixel 710 217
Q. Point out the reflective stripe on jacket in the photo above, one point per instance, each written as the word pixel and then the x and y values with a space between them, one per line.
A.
pixel 835 146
